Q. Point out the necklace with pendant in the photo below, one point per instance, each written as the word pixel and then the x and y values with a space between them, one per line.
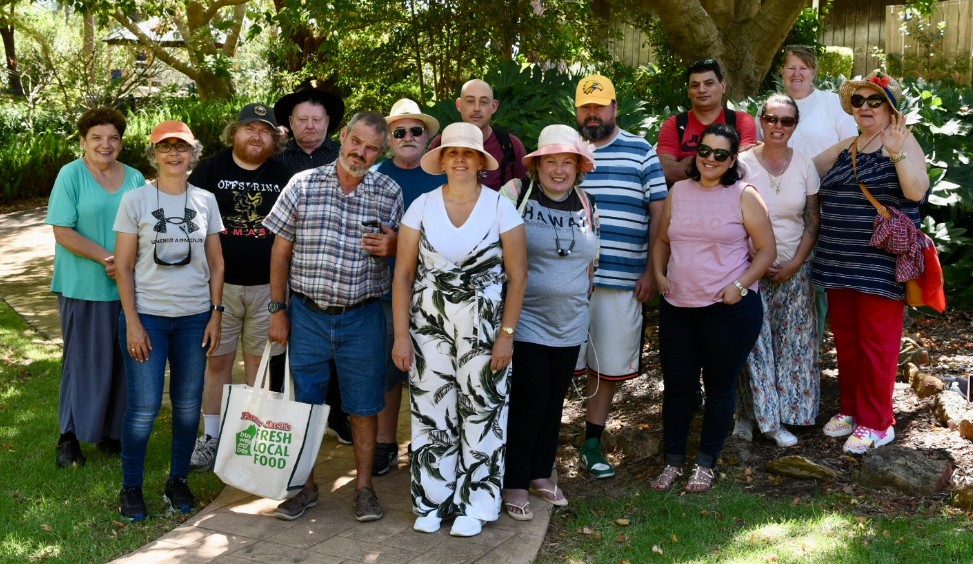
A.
pixel 775 179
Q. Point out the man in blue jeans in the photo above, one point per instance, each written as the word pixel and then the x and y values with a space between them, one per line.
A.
pixel 337 276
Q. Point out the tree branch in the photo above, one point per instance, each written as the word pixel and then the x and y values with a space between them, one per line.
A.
pixel 157 50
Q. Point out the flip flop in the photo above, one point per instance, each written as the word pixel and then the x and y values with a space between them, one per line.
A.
pixel 519 512
pixel 550 496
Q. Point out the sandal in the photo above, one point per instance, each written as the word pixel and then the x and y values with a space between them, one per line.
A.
pixel 519 512
pixel 701 479
pixel 668 477
pixel 551 497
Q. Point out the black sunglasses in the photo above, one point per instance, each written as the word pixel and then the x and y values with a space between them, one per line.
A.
pixel 180 147
pixel 705 151
pixel 183 262
pixel 557 244
pixel 160 227
pixel 415 130
pixel 786 121
pixel 873 101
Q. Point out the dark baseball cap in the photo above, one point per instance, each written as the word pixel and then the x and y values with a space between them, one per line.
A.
pixel 257 112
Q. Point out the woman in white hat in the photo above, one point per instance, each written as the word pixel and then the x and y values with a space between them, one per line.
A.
pixel 562 243
pixel 460 274
pixel 866 301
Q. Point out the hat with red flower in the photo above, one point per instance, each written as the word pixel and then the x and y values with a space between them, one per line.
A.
pixel 877 81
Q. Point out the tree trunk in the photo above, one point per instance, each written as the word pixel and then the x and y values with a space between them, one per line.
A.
pixel 9 48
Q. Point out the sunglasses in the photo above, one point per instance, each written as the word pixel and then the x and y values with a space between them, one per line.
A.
pixel 415 130
pixel 180 147
pixel 873 101
pixel 786 121
pixel 720 155
pixel 562 252
pixel 183 262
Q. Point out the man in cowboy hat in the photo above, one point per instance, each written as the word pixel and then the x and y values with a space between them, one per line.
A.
pixel 680 134
pixel 410 130
pixel 336 277
pixel 246 182
pixel 312 115
pixel 477 105
pixel 630 188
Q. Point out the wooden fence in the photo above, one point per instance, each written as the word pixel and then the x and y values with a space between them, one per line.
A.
pixel 949 57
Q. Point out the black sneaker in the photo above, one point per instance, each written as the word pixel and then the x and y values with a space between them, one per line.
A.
pixel 132 505
pixel 109 446
pixel 339 427
pixel 295 506
pixel 386 458
pixel 178 495
pixel 69 453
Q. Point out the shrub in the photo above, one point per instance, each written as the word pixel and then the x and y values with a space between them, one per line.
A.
pixel 836 61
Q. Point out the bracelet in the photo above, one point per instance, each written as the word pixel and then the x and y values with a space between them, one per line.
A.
pixel 217 307
pixel 901 157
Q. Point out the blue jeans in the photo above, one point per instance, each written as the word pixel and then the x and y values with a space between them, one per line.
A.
pixel 354 340
pixel 716 340
pixel 176 340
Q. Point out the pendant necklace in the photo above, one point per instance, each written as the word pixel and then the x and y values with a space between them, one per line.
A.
pixel 775 179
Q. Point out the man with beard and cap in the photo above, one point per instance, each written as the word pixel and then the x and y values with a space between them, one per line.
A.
pixel 680 134
pixel 337 278
pixel 246 182
pixel 477 105
pixel 311 115
pixel 410 131
pixel 630 187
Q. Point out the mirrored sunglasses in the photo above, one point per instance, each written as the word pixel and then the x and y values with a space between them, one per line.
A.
pixel 873 101
pixel 415 130
pixel 705 151
pixel 180 147
pixel 786 121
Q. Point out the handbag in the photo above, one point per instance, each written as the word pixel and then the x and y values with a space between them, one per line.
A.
pixel 894 232
pixel 269 443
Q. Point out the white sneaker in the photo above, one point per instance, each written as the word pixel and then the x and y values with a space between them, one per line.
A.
pixel 204 453
pixel 427 524
pixel 465 526
pixel 782 437
pixel 743 429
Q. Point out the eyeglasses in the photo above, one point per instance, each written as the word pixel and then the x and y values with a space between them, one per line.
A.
pixel 561 252
pixel 705 151
pixel 415 130
pixel 180 147
pixel 786 121
pixel 873 101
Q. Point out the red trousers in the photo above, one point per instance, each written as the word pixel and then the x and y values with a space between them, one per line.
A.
pixel 867 333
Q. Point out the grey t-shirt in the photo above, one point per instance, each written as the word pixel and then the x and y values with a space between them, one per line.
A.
pixel 169 227
pixel 555 309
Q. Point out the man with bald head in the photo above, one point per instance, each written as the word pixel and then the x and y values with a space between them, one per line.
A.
pixel 476 105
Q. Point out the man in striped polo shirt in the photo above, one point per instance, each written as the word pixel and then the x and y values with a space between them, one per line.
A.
pixel 630 188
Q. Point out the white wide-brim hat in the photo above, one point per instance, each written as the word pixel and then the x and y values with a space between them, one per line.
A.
pixel 460 134
pixel 407 109
pixel 559 138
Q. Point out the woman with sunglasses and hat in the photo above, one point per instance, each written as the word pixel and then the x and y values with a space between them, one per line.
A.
pixel 781 382
pixel 710 313
pixel 460 274
pixel 867 304
pixel 170 278
pixel 562 242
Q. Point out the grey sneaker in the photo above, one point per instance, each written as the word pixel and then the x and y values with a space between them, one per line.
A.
pixel 204 453
pixel 294 507
pixel 367 507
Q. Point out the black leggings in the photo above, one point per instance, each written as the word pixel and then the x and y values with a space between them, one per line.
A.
pixel 540 379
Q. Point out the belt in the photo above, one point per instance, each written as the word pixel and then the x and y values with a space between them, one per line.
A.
pixel 332 310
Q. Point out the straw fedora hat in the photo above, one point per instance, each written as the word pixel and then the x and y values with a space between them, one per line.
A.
pixel 460 134
pixel 559 138
pixel 877 81
pixel 407 109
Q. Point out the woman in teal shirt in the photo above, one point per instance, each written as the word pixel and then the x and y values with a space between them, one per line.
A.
pixel 82 209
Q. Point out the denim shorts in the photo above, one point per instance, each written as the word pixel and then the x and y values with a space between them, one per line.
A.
pixel 354 340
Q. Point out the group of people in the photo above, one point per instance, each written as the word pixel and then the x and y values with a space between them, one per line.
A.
pixel 485 278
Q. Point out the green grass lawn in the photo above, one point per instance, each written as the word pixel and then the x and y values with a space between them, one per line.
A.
pixel 71 514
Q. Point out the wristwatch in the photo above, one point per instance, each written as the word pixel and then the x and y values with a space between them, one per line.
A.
pixel 275 306
pixel 508 330
pixel 743 289
pixel 217 307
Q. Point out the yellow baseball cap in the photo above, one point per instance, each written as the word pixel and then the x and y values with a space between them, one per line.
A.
pixel 594 89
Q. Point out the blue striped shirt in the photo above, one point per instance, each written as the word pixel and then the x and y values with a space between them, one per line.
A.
pixel 843 258
pixel 627 177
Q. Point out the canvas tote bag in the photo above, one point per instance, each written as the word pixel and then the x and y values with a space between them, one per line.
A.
pixel 268 442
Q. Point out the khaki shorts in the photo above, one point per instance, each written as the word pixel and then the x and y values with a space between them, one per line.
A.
pixel 614 336
pixel 246 316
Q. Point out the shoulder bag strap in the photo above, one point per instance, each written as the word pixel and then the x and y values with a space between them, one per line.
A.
pixel 854 167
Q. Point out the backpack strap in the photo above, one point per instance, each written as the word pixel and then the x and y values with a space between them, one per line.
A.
pixel 682 120
pixel 730 117
pixel 507 148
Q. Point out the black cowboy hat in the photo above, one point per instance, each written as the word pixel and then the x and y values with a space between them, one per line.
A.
pixel 310 90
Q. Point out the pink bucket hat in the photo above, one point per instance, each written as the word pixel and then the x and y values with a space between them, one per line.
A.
pixel 460 134
pixel 563 139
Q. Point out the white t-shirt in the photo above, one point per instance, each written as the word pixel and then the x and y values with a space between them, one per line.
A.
pixel 491 216
pixel 799 181
pixel 823 123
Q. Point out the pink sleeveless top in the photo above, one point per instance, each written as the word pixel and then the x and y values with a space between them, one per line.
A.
pixel 708 241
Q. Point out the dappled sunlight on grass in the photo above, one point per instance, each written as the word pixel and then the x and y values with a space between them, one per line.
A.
pixel 816 539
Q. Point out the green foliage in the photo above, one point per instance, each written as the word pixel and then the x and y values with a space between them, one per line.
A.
pixel 924 45
pixel 836 61
pixel 806 30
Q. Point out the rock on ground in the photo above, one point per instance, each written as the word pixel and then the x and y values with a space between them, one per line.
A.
pixel 795 466
pixel 905 470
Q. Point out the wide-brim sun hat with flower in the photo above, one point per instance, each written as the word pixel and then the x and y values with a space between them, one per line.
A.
pixel 877 81
pixel 460 134
pixel 559 138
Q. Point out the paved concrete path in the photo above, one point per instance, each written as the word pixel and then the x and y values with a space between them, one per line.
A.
pixel 240 527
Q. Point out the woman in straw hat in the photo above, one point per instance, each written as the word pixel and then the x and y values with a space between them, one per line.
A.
pixel 866 302
pixel 460 274
pixel 562 243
